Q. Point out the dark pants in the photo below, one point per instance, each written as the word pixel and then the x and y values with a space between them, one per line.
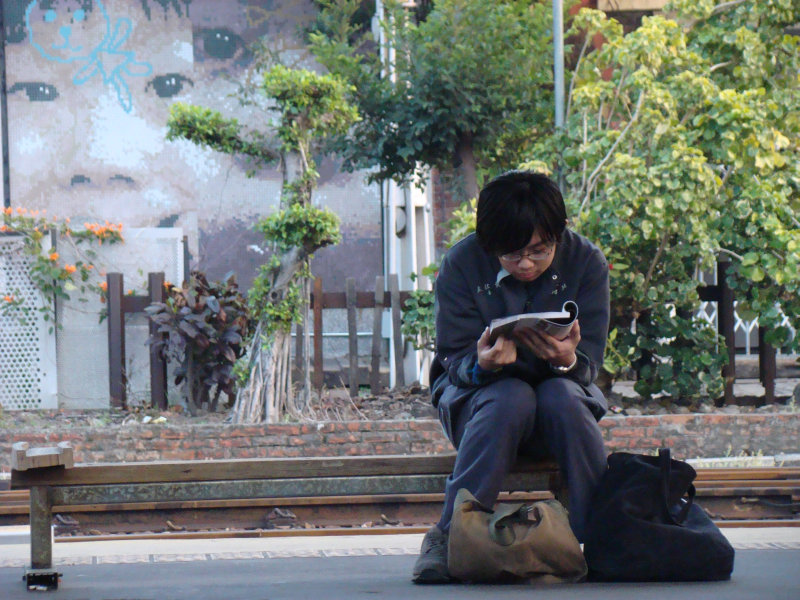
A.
pixel 492 425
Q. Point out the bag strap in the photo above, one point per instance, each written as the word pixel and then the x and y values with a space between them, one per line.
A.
pixel 666 470
pixel 505 515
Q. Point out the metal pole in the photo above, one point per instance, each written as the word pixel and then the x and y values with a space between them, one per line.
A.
pixel 558 73
pixel 558 60
pixel 4 167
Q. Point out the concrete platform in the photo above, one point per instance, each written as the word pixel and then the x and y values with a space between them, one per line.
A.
pixel 348 567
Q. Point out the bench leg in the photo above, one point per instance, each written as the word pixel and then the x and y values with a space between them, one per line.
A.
pixel 40 575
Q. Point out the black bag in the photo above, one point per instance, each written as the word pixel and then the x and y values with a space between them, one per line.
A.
pixel 644 525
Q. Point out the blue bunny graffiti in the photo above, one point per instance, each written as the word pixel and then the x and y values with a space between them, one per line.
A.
pixel 79 31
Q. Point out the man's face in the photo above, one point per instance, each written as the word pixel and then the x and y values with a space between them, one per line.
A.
pixel 528 263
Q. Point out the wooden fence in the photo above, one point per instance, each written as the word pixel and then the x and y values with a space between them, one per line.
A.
pixel 118 306
pixel 351 300
pixel 722 294
pixel 379 300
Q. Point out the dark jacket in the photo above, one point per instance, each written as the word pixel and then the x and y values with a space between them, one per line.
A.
pixel 468 296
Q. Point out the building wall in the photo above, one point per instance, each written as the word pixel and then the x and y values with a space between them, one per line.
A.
pixel 89 85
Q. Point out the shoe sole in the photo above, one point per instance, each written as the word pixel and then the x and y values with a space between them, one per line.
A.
pixel 431 577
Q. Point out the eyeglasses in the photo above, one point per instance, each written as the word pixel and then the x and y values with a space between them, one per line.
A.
pixel 518 256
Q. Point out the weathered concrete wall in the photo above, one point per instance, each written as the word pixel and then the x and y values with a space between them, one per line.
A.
pixel 689 436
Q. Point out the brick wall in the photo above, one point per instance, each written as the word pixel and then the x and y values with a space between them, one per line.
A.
pixel 689 436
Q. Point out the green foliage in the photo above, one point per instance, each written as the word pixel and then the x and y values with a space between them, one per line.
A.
pixel 419 322
pixel 209 129
pixel 276 308
pixel 467 76
pixel 311 105
pixel 301 226
pixel 206 327
pixel 462 222
pixel 681 144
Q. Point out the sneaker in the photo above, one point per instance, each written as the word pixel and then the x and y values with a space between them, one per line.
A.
pixel 431 566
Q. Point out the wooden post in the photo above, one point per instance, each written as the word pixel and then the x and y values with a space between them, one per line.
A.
pixel 41 517
pixel 767 367
pixel 319 376
pixel 726 323
pixel 158 364
pixel 116 340
pixel 352 335
pixel 394 292
pixel 377 342
pixel 186 258
pixel 298 347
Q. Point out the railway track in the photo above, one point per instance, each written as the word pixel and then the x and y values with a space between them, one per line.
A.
pixel 733 497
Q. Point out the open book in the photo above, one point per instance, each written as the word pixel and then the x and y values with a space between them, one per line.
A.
pixel 557 323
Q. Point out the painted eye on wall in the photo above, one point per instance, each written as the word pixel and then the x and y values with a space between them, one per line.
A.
pixel 169 84
pixel 220 43
pixel 37 91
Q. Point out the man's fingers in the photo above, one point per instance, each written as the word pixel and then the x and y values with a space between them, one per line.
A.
pixel 575 333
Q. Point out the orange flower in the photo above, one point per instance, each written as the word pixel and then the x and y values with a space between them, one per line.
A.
pixel 7 210
pixel 20 211
pixel 104 286
pixel 4 228
pixel 69 269
pixel 53 256
pixel 89 267
pixel 8 298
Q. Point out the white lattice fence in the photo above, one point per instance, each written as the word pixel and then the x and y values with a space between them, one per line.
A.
pixel 28 378
pixel 746 332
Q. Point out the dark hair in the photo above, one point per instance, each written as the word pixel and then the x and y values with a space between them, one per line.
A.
pixel 512 206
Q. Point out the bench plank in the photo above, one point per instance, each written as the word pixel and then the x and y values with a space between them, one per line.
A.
pixel 274 488
pixel 242 469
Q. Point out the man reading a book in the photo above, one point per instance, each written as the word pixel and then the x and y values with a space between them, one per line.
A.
pixel 533 393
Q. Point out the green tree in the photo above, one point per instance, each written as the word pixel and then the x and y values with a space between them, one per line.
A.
pixel 681 144
pixel 458 86
pixel 310 107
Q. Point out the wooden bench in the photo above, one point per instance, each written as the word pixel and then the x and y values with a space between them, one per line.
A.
pixel 54 485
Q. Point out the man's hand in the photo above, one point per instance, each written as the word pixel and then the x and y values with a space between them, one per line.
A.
pixel 559 353
pixel 491 357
